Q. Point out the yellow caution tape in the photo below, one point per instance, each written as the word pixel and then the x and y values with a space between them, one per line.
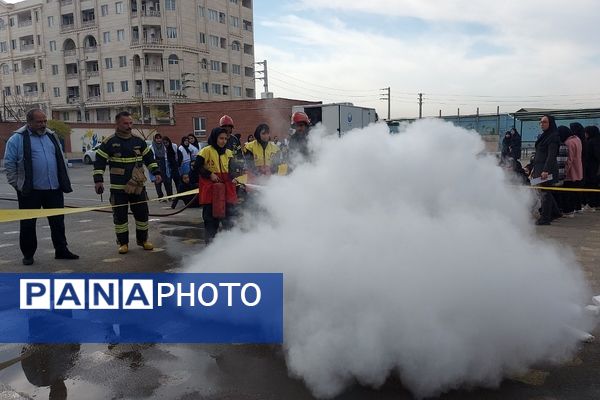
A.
pixel 18 215
pixel 563 189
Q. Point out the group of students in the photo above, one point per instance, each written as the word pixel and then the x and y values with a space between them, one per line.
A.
pixel 567 157
pixel 217 167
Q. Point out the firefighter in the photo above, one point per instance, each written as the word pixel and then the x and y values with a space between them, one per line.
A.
pixel 233 143
pixel 262 151
pixel 212 165
pixel 125 155
pixel 298 145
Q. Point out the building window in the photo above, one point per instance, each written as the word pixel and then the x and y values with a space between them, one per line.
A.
pixel 216 88
pixel 199 126
pixel 11 21
pixel 108 63
pixel 106 37
pixel 120 35
pixel 40 64
pixel 18 90
pixel 110 87
pixel 236 46
pixel 170 5
pixel 3 47
pixel 7 91
pixel 55 70
pixel 213 15
pixel 104 10
pixel 237 91
pixel 65 115
pixel 16 67
pixel 236 69
pixel 122 61
pixel 52 45
pixel 119 7
pixel 202 38
pixel 214 41
pixel 215 65
pixel 201 12
pixel 5 69
pixel 205 87
pixel 50 21
pixel 173 60
pixel 124 86
pixel 175 85
pixel 204 63
pixel 13 44
pixel 222 18
pixel 56 92
pixel 234 21
pixel 171 32
pixel 233 1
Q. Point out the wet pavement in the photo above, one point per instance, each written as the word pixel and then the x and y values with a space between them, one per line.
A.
pixel 222 371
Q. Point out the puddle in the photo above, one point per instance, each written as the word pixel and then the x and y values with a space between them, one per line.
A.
pixel 185 233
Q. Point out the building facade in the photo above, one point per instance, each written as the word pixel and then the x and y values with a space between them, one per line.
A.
pixel 86 60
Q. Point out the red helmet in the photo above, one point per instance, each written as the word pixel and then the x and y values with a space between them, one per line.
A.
pixel 226 120
pixel 299 116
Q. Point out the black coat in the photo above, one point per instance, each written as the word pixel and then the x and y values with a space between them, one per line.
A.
pixel 546 151
pixel 591 160
pixel 515 146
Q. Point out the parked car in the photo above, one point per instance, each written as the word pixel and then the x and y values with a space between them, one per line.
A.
pixel 90 156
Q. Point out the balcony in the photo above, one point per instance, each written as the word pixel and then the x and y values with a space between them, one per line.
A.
pixel 24 23
pixel 27 47
pixel 73 99
pixel 134 14
pixel 67 27
pixel 151 41
pixel 150 13
pixel 95 97
pixel 66 2
pixel 88 24
pixel 69 53
pixel 73 75
pixel 153 68
pixel 155 95
pixel 29 71
pixel 31 93
pixel 92 74
pixel 91 49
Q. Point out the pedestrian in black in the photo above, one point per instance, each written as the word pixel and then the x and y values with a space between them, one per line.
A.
pixel 35 167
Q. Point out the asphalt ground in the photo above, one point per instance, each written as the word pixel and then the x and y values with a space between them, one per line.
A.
pixel 222 371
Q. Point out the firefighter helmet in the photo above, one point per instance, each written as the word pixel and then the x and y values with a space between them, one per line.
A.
pixel 226 120
pixel 299 117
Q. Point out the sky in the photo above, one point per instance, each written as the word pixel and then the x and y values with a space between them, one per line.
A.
pixel 460 54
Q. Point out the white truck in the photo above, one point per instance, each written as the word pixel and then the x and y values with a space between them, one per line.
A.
pixel 338 117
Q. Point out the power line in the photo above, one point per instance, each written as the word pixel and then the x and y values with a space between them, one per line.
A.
pixel 322 86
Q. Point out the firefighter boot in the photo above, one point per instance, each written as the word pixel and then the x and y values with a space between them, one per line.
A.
pixel 146 245
pixel 123 249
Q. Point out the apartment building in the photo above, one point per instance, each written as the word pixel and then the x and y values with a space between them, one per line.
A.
pixel 86 60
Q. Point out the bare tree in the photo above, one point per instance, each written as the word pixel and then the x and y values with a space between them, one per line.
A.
pixel 15 107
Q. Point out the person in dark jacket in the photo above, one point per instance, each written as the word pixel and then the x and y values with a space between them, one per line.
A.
pixel 579 131
pixel 591 164
pixel 35 167
pixel 544 164
pixel 505 151
pixel 515 144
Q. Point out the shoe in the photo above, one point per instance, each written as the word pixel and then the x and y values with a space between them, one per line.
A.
pixel 542 222
pixel 123 249
pixel 27 261
pixel 65 255
pixel 146 245
pixel 569 215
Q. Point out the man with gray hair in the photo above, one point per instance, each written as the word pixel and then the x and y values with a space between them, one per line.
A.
pixel 35 167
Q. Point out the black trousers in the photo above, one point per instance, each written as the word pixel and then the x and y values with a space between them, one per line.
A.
pixel 549 207
pixel 36 200
pixel 162 165
pixel 211 224
pixel 120 215
pixel 571 200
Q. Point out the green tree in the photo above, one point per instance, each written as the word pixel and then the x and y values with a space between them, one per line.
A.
pixel 62 129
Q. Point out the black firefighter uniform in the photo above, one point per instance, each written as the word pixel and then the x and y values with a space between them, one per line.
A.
pixel 123 154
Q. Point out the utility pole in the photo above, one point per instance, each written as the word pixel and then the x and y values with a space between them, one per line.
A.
pixel 420 105
pixel 387 96
pixel 265 78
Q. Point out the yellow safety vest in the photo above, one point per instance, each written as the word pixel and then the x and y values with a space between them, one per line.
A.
pixel 214 162
pixel 262 156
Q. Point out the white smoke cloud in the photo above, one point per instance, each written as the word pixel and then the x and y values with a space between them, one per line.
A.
pixel 407 254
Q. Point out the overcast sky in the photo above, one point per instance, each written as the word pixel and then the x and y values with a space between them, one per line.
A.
pixel 459 53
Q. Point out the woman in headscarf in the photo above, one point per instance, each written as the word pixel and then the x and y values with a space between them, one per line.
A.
pixel 591 164
pixel 545 166
pixel 573 174
pixel 212 165
pixel 262 152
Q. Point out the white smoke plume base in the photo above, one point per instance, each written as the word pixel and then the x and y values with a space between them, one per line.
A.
pixel 408 254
